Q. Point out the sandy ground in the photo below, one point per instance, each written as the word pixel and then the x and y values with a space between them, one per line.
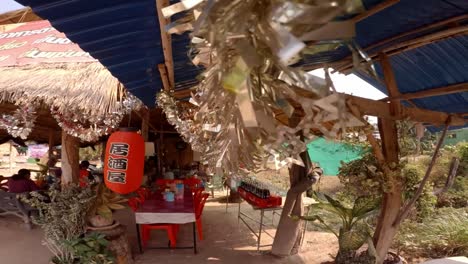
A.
pixel 226 241
pixel 18 245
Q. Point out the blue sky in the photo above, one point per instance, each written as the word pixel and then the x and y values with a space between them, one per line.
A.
pixel 8 5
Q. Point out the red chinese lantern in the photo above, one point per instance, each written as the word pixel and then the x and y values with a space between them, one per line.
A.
pixel 124 161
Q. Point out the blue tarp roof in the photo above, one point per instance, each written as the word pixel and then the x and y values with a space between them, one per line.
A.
pixel 438 64
pixel 124 35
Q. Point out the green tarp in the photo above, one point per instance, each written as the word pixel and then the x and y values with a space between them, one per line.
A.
pixel 328 154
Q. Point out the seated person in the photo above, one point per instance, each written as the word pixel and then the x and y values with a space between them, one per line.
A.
pixel 55 175
pixel 21 182
pixel 85 175
pixel 168 174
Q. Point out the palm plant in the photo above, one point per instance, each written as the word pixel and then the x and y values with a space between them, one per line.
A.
pixel 106 202
pixel 353 231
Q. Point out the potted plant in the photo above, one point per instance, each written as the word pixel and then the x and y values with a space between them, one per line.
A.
pixel 62 217
pixel 100 214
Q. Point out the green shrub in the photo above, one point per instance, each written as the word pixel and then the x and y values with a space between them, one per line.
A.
pixel 461 150
pixel 457 196
pixel 361 177
pixel 445 234
pixel 425 205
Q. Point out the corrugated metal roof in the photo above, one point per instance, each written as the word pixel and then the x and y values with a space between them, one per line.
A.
pixel 124 36
pixel 433 65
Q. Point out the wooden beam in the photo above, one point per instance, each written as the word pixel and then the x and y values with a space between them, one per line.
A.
pixel 450 89
pixel 382 110
pixel 164 77
pixel 409 45
pixel 390 82
pixel 182 94
pixel 374 10
pixel 419 30
pixel 427 39
pixel 166 41
pixel 145 116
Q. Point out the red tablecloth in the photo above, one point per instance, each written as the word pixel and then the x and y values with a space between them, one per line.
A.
pixel 156 211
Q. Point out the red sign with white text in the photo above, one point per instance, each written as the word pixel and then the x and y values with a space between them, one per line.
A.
pixel 38 42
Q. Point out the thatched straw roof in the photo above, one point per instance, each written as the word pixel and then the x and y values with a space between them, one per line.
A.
pixel 85 87
pixel 19 16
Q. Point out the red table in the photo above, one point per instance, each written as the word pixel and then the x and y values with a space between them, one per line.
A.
pixel 155 210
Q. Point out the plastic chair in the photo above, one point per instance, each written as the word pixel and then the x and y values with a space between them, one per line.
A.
pixel 172 229
pixel 143 193
pixel 197 194
pixel 199 205
pixel 193 183
pixel 134 203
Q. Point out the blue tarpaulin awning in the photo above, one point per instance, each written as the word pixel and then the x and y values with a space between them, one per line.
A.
pixel 125 37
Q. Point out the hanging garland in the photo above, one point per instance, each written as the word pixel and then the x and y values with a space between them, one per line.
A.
pixel 21 122
pixel 90 128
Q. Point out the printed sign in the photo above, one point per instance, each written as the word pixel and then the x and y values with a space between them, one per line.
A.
pixel 117 162
pixel 38 42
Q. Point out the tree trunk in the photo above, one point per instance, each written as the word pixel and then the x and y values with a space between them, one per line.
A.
pixel 392 200
pixel 70 159
pixel 386 230
pixel 289 232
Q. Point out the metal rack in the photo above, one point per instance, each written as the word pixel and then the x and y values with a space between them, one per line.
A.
pixel 242 216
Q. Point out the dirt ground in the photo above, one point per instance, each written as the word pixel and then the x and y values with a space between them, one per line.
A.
pixel 226 241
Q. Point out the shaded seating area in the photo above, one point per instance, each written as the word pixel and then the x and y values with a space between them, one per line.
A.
pixel 160 209
pixel 391 44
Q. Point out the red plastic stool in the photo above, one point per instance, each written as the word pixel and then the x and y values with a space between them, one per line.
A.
pixel 171 229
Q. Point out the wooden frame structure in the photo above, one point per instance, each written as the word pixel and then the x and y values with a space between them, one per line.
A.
pixel 388 110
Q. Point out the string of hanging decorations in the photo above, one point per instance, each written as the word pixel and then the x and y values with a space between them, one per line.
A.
pixel 86 127
pixel 21 122
pixel 90 128
pixel 248 48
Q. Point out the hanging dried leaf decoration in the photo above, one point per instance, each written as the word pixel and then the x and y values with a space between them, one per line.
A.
pixel 247 47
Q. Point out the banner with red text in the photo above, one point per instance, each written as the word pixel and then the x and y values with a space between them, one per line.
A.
pixel 38 42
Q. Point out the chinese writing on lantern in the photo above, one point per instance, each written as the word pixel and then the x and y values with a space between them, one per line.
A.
pixel 118 164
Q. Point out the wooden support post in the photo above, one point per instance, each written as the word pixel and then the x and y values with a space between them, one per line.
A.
pixel 51 143
pixel 392 200
pixel 11 157
pixel 164 77
pixel 166 41
pixel 103 152
pixel 145 124
pixel 70 159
